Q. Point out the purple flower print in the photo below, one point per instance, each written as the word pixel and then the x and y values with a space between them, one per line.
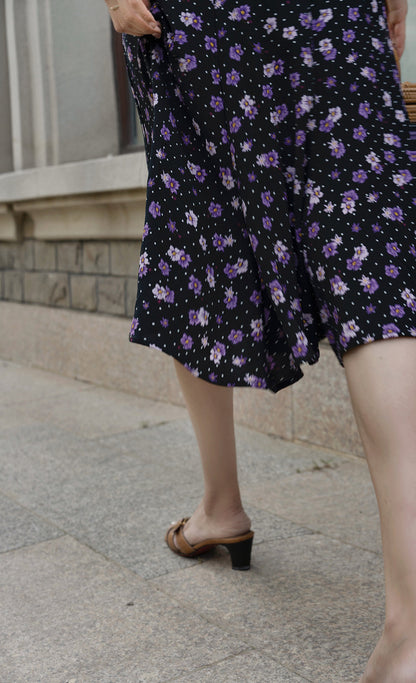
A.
pixel 232 77
pixel 290 32
pixel 235 336
pixel 274 68
pixel 257 329
pixel 338 286
pixel 393 249
pixel 313 229
pixel 318 24
pixel 165 132
pixel 409 298
pixel 216 103
pixel 134 325
pixel 255 298
pixel 235 124
pixel 216 76
pixel 154 209
pixel 359 176
pixel 219 242
pixel 230 298
pixel 330 249
pixel 164 322
pixel 217 352
pixel 364 109
pixel 170 182
pixel 267 91
pixel 300 138
pixel 360 133
pixel 236 52
pixel 230 271
pixel 240 13
pixel 353 13
pixel 194 284
pixel 397 311
pixel 180 37
pixel 294 80
pixel 210 44
pixel 301 348
pixel 305 19
pixel 276 291
pixel 390 330
pixel 267 223
pixel 369 73
pixel 391 270
pixel 164 267
pixel 393 140
pixel 354 263
pixel 267 198
pixel 194 317
pixel 186 341
pixel 184 259
pixel 370 285
pixel 279 114
pixel 271 159
pixel 171 225
pixel 348 36
pixel 215 210
pixel 170 295
pixel 350 196
pixel 187 63
pixel 393 213
pixel 337 148
pixel 326 125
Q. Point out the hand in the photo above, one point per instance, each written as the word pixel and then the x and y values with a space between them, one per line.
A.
pixel 396 19
pixel 133 17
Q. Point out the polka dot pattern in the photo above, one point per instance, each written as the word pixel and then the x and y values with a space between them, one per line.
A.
pixel 281 195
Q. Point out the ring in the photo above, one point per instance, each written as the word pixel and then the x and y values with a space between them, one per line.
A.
pixel 114 7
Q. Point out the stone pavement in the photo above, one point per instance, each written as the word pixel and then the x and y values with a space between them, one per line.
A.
pixel 89 480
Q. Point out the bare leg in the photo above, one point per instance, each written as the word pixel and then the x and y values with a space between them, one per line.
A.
pixel 210 408
pixel 382 383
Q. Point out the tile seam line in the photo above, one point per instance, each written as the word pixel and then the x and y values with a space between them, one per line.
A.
pixel 249 650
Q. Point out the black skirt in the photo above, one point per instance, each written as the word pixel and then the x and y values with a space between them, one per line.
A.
pixel 281 195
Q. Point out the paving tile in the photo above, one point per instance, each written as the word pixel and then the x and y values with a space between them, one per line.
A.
pixel 338 501
pixel 265 457
pixel 313 604
pixel 20 527
pixel 69 614
pixel 23 385
pixel 249 667
pixel 97 411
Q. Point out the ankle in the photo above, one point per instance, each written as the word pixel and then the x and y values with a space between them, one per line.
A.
pixel 223 520
pixel 222 508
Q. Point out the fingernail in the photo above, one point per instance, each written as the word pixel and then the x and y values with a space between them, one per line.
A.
pixel 155 27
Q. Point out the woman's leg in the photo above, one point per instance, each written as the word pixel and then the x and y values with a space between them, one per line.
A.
pixel 382 383
pixel 210 408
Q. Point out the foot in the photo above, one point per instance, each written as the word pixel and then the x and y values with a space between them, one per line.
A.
pixel 393 661
pixel 202 526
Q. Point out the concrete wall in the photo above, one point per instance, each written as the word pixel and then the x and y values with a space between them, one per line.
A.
pixel 408 62
pixel 60 57
pixel 86 102
pixel 5 129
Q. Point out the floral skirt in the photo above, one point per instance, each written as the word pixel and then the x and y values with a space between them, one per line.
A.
pixel 281 199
